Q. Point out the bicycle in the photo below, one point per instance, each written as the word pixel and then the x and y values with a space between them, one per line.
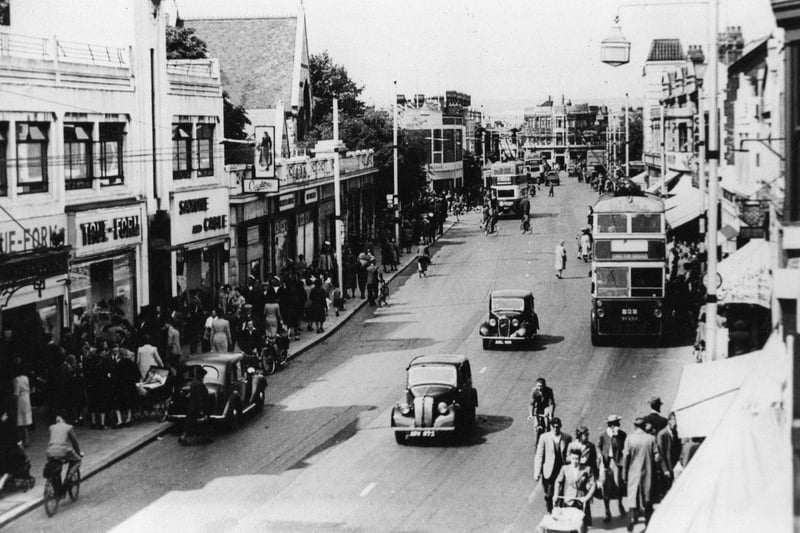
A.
pixel 525 226
pixel 274 354
pixel 55 489
pixel 542 424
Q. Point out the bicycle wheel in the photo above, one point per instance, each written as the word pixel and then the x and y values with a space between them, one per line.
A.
pixel 50 498
pixel 74 485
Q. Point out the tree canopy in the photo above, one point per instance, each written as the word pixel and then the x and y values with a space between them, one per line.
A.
pixel 183 43
pixel 328 81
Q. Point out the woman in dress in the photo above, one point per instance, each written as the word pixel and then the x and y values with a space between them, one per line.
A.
pixel 272 314
pixel 220 333
pixel 560 259
pixel 22 396
pixel 98 386
pixel 318 299
pixel 125 376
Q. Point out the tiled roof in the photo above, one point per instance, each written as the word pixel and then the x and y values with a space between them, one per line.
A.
pixel 256 57
pixel 666 50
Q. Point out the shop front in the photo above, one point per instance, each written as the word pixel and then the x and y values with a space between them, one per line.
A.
pixel 306 225
pixel 326 215
pixel 106 268
pixel 195 257
pixel 33 284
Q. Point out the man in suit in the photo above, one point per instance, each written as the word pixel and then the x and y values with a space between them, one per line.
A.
pixel 654 420
pixel 551 455
pixel 640 458
pixel 610 446
pixel 174 350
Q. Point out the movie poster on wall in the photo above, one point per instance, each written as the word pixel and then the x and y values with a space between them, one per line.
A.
pixel 265 152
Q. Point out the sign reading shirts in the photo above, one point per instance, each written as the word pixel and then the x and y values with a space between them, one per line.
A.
pixel 99 230
pixel 199 215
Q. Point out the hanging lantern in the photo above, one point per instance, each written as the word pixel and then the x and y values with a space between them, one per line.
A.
pixel 615 50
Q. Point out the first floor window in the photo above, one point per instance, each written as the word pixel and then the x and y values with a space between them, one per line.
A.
pixel 77 154
pixel 108 162
pixel 32 142
pixel 181 151
pixel 205 150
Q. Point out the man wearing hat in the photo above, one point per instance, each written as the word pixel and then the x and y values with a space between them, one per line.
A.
pixel 610 446
pixel 655 422
pixel 551 455
pixel 640 458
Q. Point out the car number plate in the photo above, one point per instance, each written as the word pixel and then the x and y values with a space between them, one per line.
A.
pixel 425 433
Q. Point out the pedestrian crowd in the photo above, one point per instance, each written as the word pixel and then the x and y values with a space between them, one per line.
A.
pixel 636 470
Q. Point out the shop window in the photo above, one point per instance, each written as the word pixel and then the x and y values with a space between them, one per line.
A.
pixel 459 146
pixel 32 143
pixel 3 159
pixel 77 154
pixel 181 151
pixel 108 150
pixel 449 146
pixel 204 144
pixel 683 138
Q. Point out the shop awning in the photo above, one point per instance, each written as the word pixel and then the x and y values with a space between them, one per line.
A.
pixel 640 179
pixel 727 233
pixel 740 479
pixel 683 184
pixel 705 392
pixel 746 277
pixel 683 208
pixel 671 177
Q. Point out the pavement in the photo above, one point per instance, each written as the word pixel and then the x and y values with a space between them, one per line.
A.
pixel 103 448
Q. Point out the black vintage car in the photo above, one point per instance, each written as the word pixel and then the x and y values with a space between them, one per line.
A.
pixel 234 388
pixel 439 399
pixel 512 319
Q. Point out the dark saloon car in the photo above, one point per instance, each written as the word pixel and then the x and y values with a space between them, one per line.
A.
pixel 552 177
pixel 512 319
pixel 439 399
pixel 234 388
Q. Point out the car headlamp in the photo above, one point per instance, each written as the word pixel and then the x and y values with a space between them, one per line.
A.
pixel 515 322
pixel 493 322
pixel 405 408
pixel 443 408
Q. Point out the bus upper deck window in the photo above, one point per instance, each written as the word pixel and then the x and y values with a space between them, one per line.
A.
pixel 612 223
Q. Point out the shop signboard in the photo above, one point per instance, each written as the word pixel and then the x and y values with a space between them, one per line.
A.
pixel 100 230
pixel 310 196
pixel 30 233
pixel 199 215
pixel 286 202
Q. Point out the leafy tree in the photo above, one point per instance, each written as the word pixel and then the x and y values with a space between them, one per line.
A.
pixel 234 121
pixel 329 80
pixel 182 43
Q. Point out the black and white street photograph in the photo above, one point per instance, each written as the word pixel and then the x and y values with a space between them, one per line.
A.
pixel 395 266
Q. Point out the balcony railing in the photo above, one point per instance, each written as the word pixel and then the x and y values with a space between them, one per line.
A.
pixel 202 68
pixel 92 54
pixel 27 47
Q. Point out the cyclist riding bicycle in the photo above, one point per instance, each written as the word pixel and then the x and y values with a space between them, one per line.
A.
pixel 64 446
pixel 543 403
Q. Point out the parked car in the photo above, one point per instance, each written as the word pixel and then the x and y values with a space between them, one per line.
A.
pixel 512 319
pixel 552 177
pixel 234 388
pixel 439 399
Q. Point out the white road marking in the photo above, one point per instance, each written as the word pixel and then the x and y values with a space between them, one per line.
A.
pixel 367 489
pixel 482 370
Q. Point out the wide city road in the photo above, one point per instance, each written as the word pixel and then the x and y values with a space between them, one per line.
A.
pixel 321 457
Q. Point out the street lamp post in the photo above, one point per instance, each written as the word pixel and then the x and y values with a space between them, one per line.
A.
pixel 663 153
pixel 337 192
pixel 627 139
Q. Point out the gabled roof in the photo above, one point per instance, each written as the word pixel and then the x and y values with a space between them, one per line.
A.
pixel 256 57
pixel 666 50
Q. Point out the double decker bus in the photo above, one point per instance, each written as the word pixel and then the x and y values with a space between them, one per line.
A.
pixel 509 183
pixel 628 266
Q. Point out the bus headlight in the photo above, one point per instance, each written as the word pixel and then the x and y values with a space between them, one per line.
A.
pixel 599 303
pixel 601 312
pixel 657 313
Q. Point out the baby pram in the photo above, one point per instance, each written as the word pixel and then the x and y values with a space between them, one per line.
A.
pixel 155 392
pixel 16 465
pixel 562 520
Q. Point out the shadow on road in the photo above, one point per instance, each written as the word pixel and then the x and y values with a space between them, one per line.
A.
pixel 484 425
pixel 544 340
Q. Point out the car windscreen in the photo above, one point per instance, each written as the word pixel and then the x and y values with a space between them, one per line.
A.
pixel 213 374
pixel 508 304
pixel 427 374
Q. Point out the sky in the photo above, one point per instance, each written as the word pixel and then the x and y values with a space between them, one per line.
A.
pixel 505 53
